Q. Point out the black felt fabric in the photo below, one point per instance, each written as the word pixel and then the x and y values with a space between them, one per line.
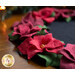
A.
pixel 63 31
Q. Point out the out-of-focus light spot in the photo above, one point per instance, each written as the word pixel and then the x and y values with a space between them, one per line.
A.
pixel 2 7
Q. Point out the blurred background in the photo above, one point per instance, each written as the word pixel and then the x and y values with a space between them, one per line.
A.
pixel 8 11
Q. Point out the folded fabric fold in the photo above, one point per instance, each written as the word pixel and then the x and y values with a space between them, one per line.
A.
pixel 65 13
pixel 68 58
pixel 51 59
pixel 22 32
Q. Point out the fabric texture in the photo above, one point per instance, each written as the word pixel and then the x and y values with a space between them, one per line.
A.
pixel 51 59
pixel 45 14
pixel 35 40
pixel 65 13
pixel 68 58
pixel 28 26
pixel 63 31
pixel 39 44
pixel 30 20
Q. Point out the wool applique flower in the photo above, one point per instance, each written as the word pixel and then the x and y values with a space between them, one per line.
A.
pixel 39 44
pixel 21 32
pixel 25 30
pixel 65 13
pixel 28 27
pixel 68 58
pixel 33 21
pixel 45 14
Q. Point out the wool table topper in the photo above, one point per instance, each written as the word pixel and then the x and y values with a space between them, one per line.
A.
pixel 37 44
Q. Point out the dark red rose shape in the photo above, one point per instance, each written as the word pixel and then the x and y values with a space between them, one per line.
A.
pixel 38 21
pixel 25 30
pixel 57 13
pixel 28 26
pixel 68 13
pixel 65 13
pixel 45 14
pixel 40 43
pixel 28 19
pixel 68 58
pixel 16 24
pixel 33 21
pixel 73 14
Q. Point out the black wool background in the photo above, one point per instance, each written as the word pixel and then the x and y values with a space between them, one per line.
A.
pixel 63 31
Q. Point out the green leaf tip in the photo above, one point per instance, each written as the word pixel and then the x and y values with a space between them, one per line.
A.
pixel 68 19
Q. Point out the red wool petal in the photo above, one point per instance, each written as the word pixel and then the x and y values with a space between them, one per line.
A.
pixel 35 29
pixel 66 64
pixel 15 33
pixel 28 18
pixel 47 38
pixel 28 35
pixel 67 13
pixel 32 32
pixel 38 38
pixel 65 16
pixel 32 53
pixel 58 43
pixel 50 45
pixel 32 20
pixel 71 49
pixel 15 29
pixel 43 39
pixel 49 20
pixel 54 46
pixel 23 29
pixel 45 12
pixel 46 31
pixel 55 50
pixel 35 43
pixel 26 48
pixel 57 13
pixel 38 21
pixel 68 58
pixel 35 13
pixel 23 47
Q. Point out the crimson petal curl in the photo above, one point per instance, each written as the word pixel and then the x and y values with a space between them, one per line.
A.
pixel 68 58
pixel 49 20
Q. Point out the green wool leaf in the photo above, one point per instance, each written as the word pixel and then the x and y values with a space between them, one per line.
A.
pixel 46 58
pixel 43 27
pixel 12 38
pixel 51 59
pixel 42 32
pixel 53 14
pixel 62 41
pixel 56 61
pixel 68 19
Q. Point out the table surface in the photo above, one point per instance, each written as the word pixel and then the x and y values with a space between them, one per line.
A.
pixel 6 47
